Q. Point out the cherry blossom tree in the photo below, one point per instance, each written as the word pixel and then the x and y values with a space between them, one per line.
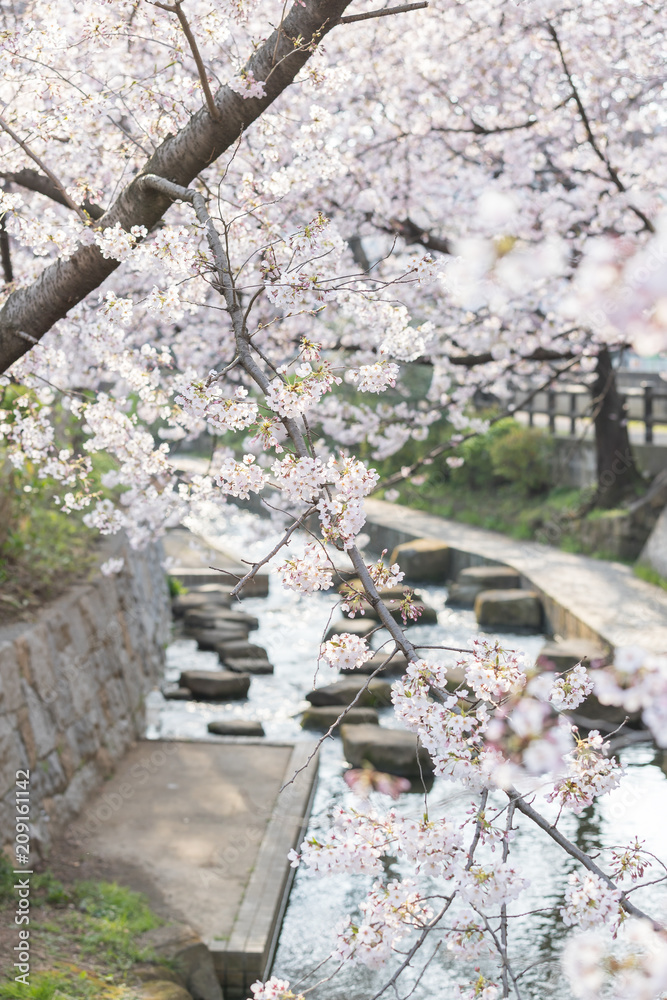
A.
pixel 208 215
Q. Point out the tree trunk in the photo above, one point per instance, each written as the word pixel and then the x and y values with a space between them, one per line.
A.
pixel 617 473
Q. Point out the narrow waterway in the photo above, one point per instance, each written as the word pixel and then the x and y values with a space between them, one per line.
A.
pixel 291 629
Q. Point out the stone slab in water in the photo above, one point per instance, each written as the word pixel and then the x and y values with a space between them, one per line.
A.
pixel 172 692
pixel 343 692
pixel 235 727
pixel 240 650
pixel 391 750
pixel 248 666
pixel 211 616
pixel 210 638
pixel 354 626
pixel 218 685
pixel 567 653
pixel 508 610
pixel 425 559
pixel 395 668
pixel 211 595
pixel 471 581
pixel 324 716
pixel 197 576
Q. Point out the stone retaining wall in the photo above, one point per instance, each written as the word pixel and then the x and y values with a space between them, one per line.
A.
pixel 72 687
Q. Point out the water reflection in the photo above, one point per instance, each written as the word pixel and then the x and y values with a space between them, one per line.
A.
pixel 290 630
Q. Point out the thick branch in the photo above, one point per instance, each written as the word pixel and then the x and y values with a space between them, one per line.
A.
pixel 180 158
pixel 32 180
pixel 42 166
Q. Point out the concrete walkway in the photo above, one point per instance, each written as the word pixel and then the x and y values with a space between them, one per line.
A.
pixel 200 828
pixel 583 597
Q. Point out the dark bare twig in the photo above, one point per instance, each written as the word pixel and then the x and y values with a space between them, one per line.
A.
pixel 403 9
pixel 611 170
pixel 176 9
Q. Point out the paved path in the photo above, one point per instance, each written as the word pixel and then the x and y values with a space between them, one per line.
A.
pixel 201 829
pixel 582 596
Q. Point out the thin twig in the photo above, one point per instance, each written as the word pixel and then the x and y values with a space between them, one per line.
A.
pixel 403 9
pixel 283 541
pixel 196 55
pixel 577 853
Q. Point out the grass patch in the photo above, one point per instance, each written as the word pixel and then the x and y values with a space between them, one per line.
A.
pixel 86 934
pixel 650 575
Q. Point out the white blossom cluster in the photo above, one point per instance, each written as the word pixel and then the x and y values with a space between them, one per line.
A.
pixel 345 651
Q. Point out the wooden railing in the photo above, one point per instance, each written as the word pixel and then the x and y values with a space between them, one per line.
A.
pixel 645 404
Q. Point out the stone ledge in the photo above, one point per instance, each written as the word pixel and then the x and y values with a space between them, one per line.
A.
pixel 248 954
pixel 582 597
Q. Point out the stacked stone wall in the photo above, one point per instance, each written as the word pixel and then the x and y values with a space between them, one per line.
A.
pixel 72 690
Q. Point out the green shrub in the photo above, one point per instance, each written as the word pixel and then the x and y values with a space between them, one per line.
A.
pixel 477 470
pixel 523 456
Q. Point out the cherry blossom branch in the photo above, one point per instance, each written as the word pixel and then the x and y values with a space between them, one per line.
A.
pixel 177 9
pixel 575 852
pixel 448 902
pixel 42 166
pixel 35 308
pixel 32 180
pixel 503 909
pixel 385 12
pixel 262 562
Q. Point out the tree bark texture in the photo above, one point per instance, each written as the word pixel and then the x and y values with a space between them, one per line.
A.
pixel 617 473
pixel 33 310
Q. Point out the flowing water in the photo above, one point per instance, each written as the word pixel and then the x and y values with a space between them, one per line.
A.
pixel 290 630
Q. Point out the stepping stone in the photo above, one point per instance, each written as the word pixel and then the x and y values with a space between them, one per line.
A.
pixel 343 692
pixel 354 626
pixel 236 617
pixel 563 655
pixel 172 692
pixel 197 598
pixel 424 559
pixel 247 666
pixel 394 751
pixel 210 638
pixel 509 610
pixel 240 650
pixel 219 685
pixel 210 616
pixel 324 716
pixel 236 727
pixel 191 576
pixel 395 668
pixel 471 581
